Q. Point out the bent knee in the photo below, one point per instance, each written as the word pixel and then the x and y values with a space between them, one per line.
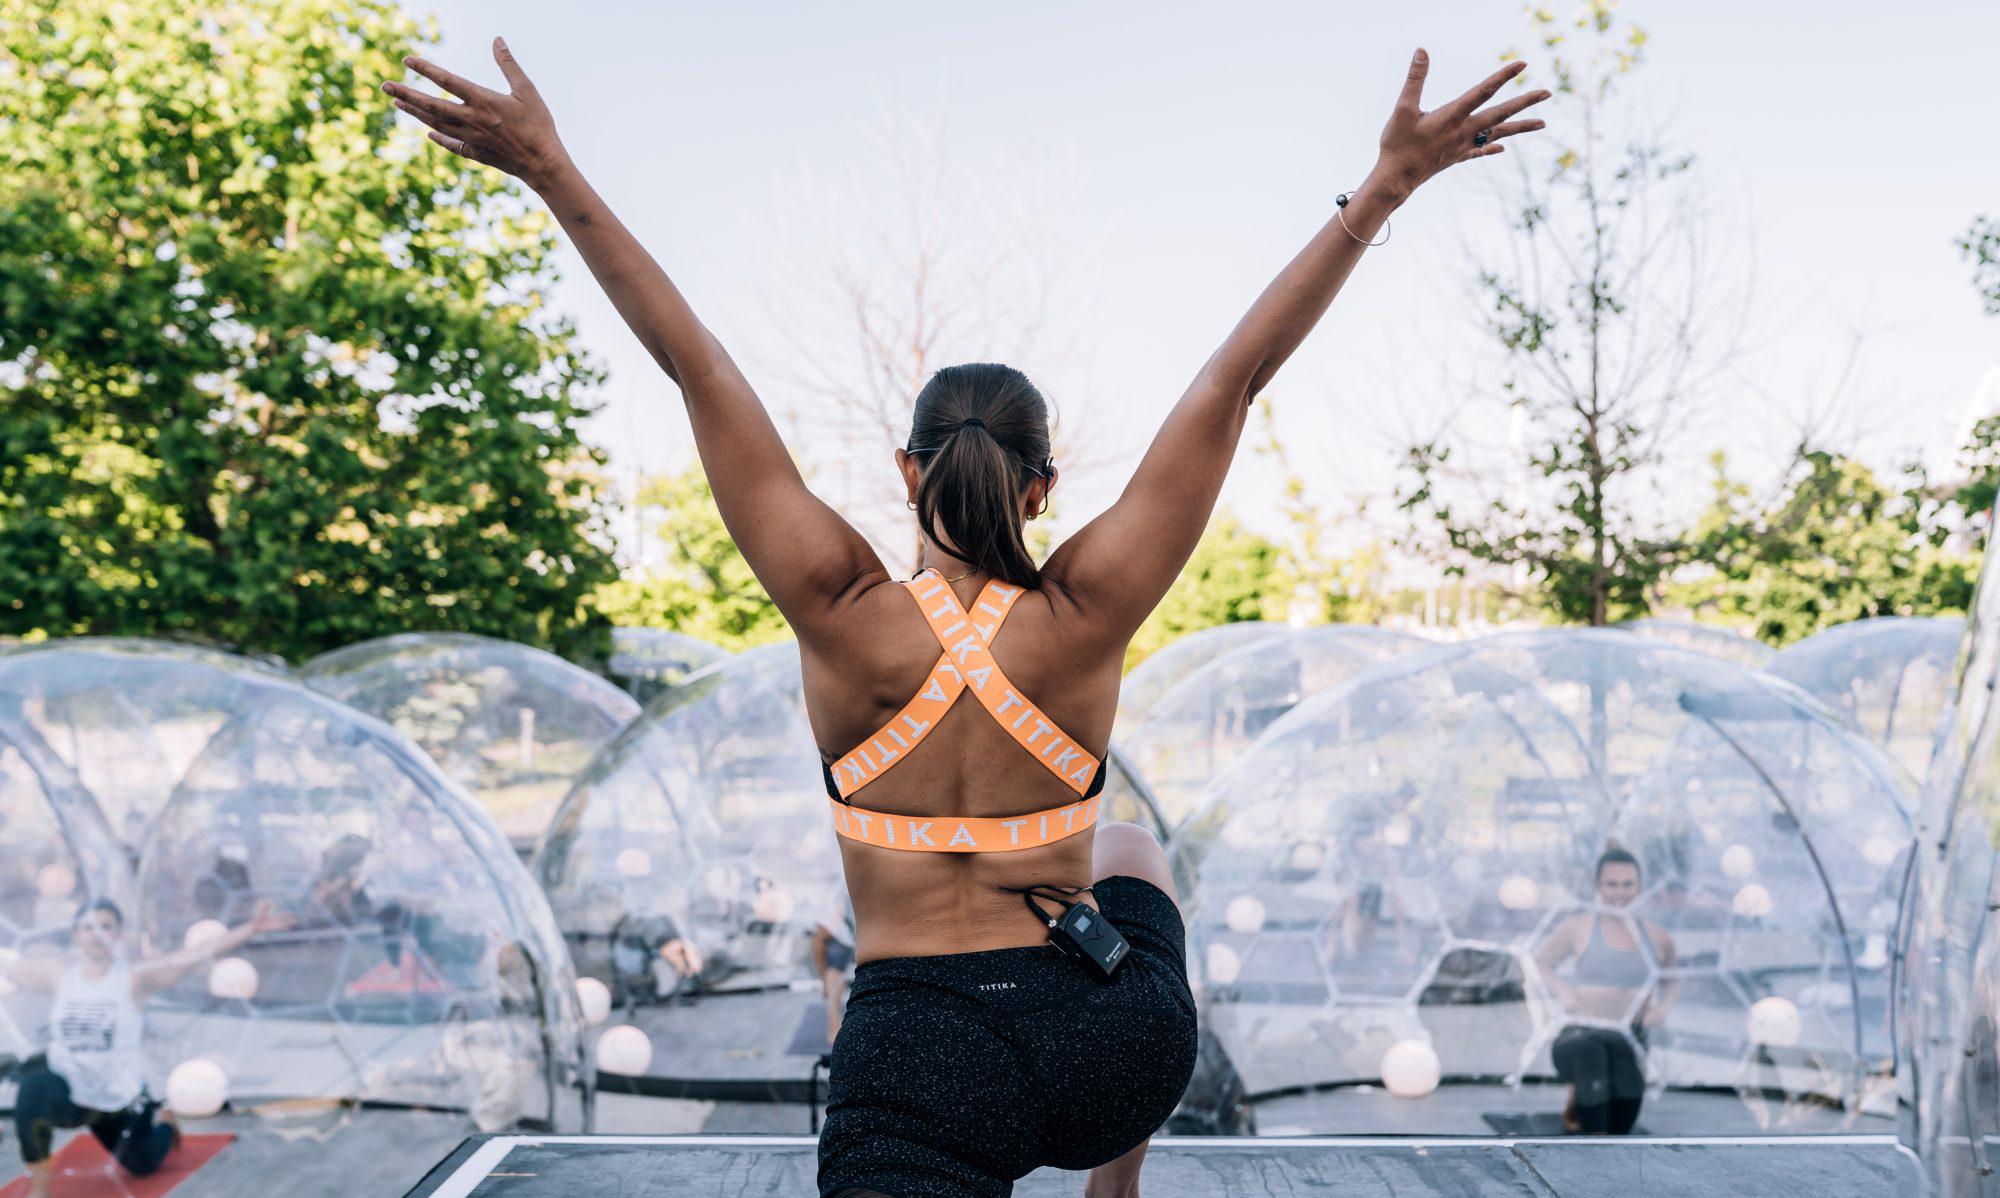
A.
pixel 1132 851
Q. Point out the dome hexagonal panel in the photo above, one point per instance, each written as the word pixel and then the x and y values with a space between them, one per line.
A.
pixel 511 724
pixel 1623 847
pixel 1167 666
pixel 1709 640
pixel 1415 826
pixel 1193 731
pixel 127 716
pixel 1888 677
pixel 646 661
pixel 421 967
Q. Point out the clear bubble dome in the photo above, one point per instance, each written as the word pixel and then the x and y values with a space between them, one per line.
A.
pixel 1888 677
pixel 511 724
pixel 648 660
pixel 1709 639
pixel 56 853
pixel 1191 733
pixel 1413 856
pixel 127 716
pixel 694 860
pixel 1167 666
pixel 1948 1036
pixel 421 968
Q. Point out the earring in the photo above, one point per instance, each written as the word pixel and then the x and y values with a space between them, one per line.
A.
pixel 911 504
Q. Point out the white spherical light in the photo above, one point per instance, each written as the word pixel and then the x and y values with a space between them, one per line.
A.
pixel 624 1049
pixel 1398 832
pixel 1410 1069
pixel 1224 966
pixel 1245 914
pixel 233 977
pixel 1518 893
pixel 197 1088
pixel 634 863
pixel 1881 850
pixel 1751 902
pixel 203 932
pixel 595 998
pixel 1738 861
pixel 1307 856
pixel 55 881
pixel 1775 1021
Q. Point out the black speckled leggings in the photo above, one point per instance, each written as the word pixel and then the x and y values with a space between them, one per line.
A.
pixel 954 1076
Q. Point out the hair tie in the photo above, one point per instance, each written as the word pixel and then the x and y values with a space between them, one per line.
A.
pixel 972 422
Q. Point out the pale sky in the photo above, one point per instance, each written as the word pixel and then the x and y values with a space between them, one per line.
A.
pixel 1184 151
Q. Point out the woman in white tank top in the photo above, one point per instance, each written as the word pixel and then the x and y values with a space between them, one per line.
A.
pixel 94 1074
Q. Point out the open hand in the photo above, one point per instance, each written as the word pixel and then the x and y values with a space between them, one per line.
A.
pixel 512 131
pixel 267 918
pixel 1418 144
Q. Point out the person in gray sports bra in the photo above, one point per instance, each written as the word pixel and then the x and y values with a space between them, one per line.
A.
pixel 1610 982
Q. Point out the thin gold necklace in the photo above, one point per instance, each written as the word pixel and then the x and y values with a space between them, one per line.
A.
pixel 967 574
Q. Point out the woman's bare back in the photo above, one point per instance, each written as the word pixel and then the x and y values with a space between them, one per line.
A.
pixel 926 904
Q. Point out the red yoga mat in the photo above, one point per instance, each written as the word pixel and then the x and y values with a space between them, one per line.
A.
pixel 85 1170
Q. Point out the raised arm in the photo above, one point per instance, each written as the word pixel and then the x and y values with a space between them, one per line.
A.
pixel 37 975
pixel 806 556
pixel 163 971
pixel 1119 565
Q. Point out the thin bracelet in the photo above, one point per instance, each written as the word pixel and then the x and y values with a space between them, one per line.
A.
pixel 1340 214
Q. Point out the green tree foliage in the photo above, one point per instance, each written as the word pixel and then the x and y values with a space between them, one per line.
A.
pixel 1836 543
pixel 1593 309
pixel 1338 589
pixel 272 372
pixel 1981 244
pixel 1233 575
pixel 703 587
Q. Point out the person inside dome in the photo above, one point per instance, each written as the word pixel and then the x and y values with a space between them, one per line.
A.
pixel 94 1072
pixel 1613 994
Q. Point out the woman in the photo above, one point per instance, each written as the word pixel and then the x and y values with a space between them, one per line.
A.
pixel 972 1050
pixel 95 1072
pixel 1610 983
pixel 832 957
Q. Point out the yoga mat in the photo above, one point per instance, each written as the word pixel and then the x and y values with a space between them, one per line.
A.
pixel 85 1170
pixel 808 1039
pixel 1507 1123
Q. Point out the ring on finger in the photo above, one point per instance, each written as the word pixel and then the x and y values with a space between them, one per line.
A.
pixel 1482 137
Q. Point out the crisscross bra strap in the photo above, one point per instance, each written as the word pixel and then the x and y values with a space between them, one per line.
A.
pixel 965 637
pixel 965 663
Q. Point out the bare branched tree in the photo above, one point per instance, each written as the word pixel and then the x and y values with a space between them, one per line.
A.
pixel 1615 326
pixel 893 271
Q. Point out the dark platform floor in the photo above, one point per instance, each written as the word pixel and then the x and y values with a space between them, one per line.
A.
pixel 751 1167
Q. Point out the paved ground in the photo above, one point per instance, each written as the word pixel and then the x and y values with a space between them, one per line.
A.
pixel 727 1167
pixel 334 1151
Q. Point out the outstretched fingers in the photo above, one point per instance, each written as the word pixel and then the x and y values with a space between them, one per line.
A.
pixel 1413 84
pixel 1510 128
pixel 516 77
pixel 1487 88
pixel 1497 113
pixel 461 147
pixel 464 89
pixel 431 110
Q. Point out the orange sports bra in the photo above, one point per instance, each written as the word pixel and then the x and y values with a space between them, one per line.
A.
pixel 965 663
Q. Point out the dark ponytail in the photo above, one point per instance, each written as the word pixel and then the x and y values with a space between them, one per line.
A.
pixel 983 432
